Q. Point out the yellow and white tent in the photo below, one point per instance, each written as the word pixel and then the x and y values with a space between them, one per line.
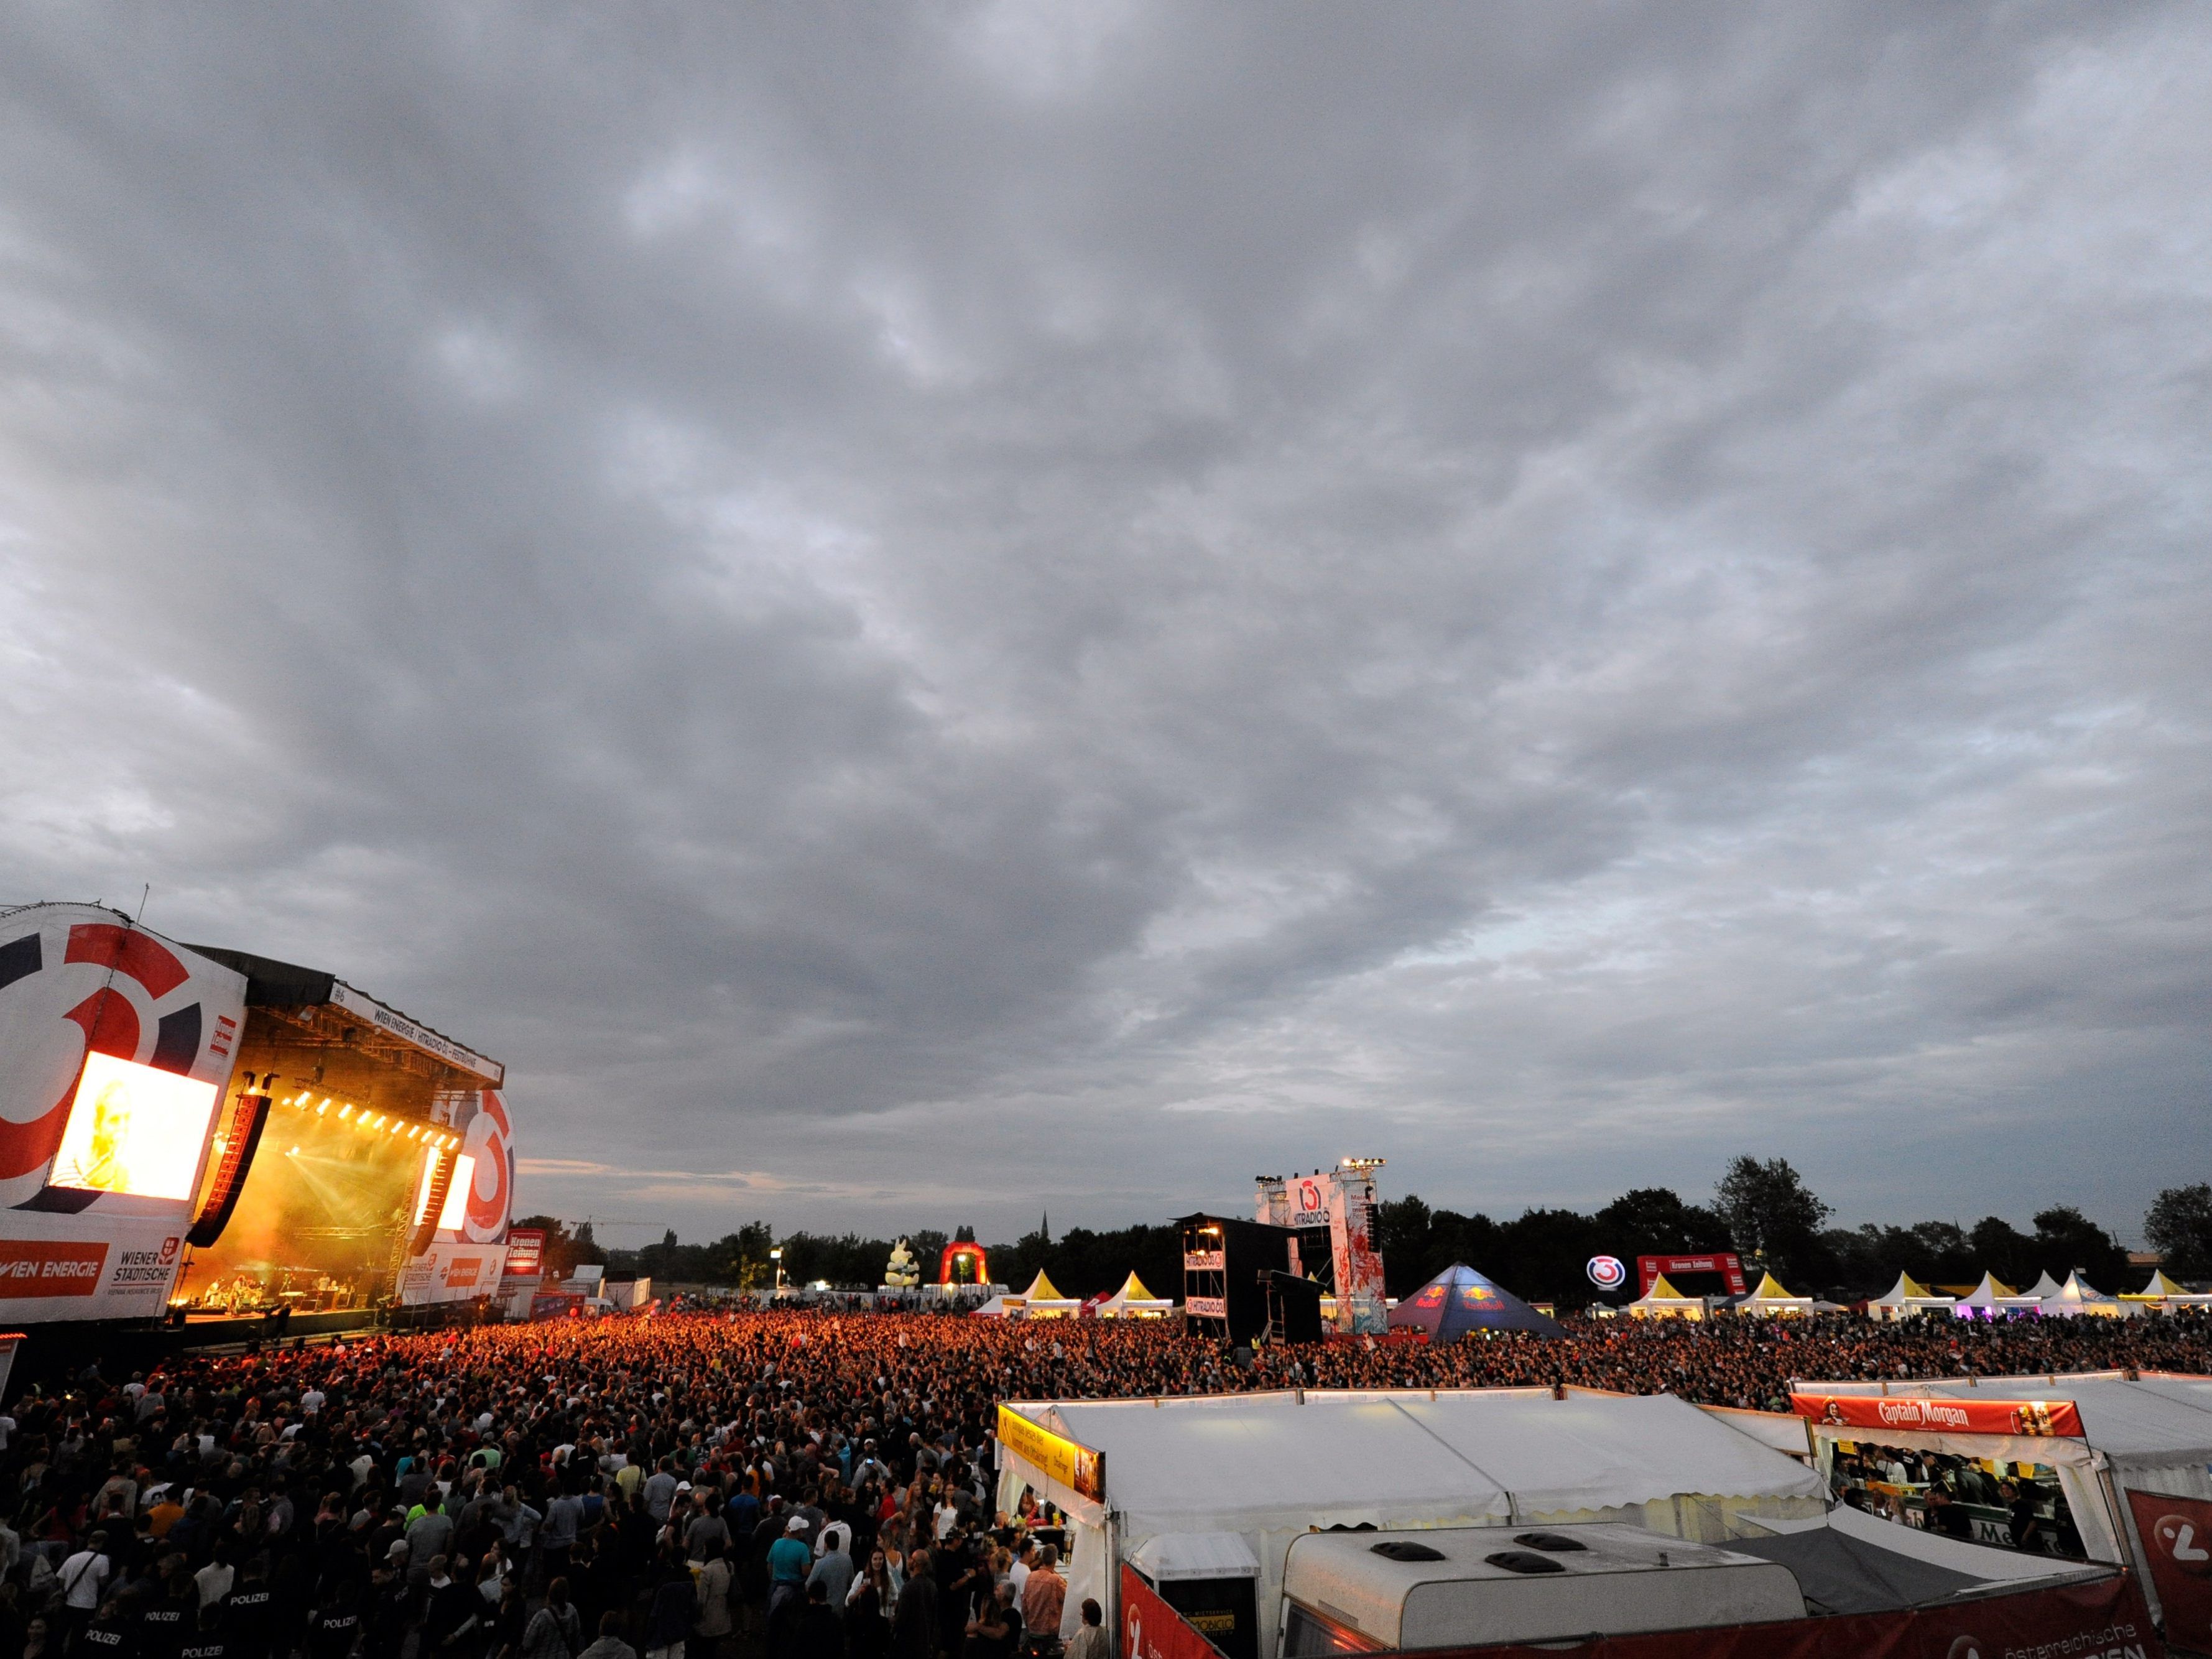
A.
pixel 2164 1292
pixel 1907 1299
pixel 1663 1301
pixel 1769 1300
pixel 1042 1300
pixel 1134 1301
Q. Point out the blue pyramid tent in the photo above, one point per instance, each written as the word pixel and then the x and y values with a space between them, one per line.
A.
pixel 1459 1300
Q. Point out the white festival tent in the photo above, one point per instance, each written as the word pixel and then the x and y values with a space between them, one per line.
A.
pixel 1269 1467
pixel 2075 1298
pixel 1769 1299
pixel 2152 1434
pixel 1663 1301
pixel 1993 1295
pixel 1134 1301
pixel 1042 1300
pixel 1907 1299
pixel 2043 1289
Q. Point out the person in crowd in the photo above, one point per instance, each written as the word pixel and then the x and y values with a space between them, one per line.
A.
pixel 610 1644
pixel 554 1630
pixel 263 1485
pixel 2025 1525
pixel 914 1620
pixel 1044 1597
pixel 1091 1641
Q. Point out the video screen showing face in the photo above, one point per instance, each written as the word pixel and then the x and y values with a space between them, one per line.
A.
pixel 134 1129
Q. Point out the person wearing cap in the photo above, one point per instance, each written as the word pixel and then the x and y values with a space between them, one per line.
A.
pixel 789 1561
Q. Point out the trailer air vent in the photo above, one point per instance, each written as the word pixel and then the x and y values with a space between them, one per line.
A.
pixel 1555 1543
pixel 1523 1561
pixel 1403 1549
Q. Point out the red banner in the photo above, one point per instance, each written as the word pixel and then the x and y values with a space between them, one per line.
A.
pixel 2043 1417
pixel 1727 1263
pixel 526 1253
pixel 2103 1619
pixel 2177 1541
pixel 41 1267
pixel 1150 1629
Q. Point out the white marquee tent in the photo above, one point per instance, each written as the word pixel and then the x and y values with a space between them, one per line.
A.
pixel 1267 1466
pixel 1134 1301
pixel 1993 1295
pixel 1908 1298
pixel 1769 1300
pixel 2164 1292
pixel 2076 1298
pixel 2154 1432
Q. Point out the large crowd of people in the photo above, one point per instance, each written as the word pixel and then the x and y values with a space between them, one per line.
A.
pixel 789 1486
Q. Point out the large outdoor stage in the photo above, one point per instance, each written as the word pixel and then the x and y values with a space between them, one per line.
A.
pixel 199 1136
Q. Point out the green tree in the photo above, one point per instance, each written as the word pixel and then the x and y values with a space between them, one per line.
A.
pixel 1774 1217
pixel 2067 1240
pixel 2178 1226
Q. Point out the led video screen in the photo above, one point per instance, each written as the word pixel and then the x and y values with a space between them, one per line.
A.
pixel 455 1210
pixel 134 1129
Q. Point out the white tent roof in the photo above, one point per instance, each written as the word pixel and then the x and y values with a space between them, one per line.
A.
pixel 1168 1555
pixel 2147 1423
pixel 1268 1467
pixel 2043 1286
pixel 1993 1292
pixel 2077 1295
pixel 1259 1463
pixel 1907 1291
pixel 1134 1293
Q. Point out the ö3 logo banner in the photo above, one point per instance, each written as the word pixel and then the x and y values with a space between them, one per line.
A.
pixel 1607 1273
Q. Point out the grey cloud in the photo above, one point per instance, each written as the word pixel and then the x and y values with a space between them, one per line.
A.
pixel 947 610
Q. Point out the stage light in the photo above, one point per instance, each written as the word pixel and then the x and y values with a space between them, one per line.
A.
pixel 343 1111
pixel 320 1109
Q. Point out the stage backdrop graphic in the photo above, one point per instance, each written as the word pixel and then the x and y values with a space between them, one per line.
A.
pixel 102 1239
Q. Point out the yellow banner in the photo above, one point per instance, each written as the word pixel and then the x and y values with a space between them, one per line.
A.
pixel 1075 1467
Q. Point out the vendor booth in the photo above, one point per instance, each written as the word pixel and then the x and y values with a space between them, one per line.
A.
pixel 1991 1298
pixel 1134 1301
pixel 1768 1300
pixel 1234 1525
pixel 2077 1299
pixel 1266 1468
pixel 2132 1459
pixel 1663 1301
pixel 1908 1299
pixel 1042 1300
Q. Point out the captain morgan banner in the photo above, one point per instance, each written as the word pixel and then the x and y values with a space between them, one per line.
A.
pixel 2047 1418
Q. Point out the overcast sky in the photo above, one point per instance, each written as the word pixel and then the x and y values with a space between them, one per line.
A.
pixel 918 613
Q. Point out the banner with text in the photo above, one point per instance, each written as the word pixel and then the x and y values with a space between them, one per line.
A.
pixel 2043 1419
pixel 1076 1466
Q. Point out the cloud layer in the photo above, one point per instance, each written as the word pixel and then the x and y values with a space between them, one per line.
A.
pixel 919 615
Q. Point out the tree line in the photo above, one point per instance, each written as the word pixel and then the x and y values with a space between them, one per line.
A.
pixel 1762 1210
